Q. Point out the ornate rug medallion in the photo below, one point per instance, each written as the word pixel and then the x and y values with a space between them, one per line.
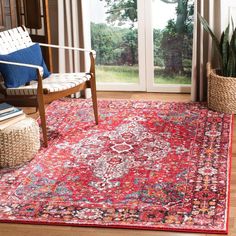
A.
pixel 147 165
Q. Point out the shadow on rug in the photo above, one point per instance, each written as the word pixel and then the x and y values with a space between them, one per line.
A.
pixel 147 165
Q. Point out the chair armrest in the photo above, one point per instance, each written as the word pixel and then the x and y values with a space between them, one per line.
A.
pixel 66 47
pixel 39 68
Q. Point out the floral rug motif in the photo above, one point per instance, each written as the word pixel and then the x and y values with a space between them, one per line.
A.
pixel 147 165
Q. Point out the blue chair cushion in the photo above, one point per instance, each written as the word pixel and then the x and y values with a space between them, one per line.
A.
pixel 15 76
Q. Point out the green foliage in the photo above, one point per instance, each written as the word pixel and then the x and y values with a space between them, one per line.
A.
pixel 182 15
pixel 130 47
pixel 172 48
pixel 105 41
pixel 114 45
pixel 122 12
pixel 176 42
pixel 158 52
pixel 225 47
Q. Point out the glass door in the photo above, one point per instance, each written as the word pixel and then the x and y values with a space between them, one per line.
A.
pixel 170 35
pixel 143 45
pixel 117 31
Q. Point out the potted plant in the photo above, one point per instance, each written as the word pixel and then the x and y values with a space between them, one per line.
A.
pixel 222 81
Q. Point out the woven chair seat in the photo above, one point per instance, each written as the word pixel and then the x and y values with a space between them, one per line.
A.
pixel 53 83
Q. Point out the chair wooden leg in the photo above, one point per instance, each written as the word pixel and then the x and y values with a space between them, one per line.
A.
pixel 41 107
pixel 94 99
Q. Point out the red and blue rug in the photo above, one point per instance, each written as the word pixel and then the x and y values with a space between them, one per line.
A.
pixel 147 165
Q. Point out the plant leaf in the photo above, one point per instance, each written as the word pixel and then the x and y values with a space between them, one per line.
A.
pixel 231 67
pixel 233 52
pixel 214 38
pixel 232 22
pixel 221 48
pixel 231 64
pixel 225 50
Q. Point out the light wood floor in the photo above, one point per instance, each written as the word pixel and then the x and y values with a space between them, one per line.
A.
pixel 37 230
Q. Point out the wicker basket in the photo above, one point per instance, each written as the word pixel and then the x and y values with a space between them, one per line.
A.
pixel 221 92
pixel 19 142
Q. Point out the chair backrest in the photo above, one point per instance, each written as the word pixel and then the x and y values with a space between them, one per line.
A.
pixel 14 39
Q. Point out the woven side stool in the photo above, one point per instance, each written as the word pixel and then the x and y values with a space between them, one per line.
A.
pixel 19 142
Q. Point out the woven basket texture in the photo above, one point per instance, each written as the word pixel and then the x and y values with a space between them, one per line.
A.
pixel 221 92
pixel 19 143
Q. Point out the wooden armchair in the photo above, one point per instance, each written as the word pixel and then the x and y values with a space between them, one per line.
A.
pixel 43 91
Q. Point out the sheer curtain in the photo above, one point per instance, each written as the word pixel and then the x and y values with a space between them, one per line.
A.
pixel 202 45
pixel 73 31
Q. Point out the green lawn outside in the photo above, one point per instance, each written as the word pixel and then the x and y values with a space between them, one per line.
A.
pixel 114 74
pixel 129 74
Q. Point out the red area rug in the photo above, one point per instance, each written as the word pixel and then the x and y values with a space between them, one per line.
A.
pixel 147 165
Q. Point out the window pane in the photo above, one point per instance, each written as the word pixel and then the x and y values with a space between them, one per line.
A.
pixel 115 38
pixel 172 37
